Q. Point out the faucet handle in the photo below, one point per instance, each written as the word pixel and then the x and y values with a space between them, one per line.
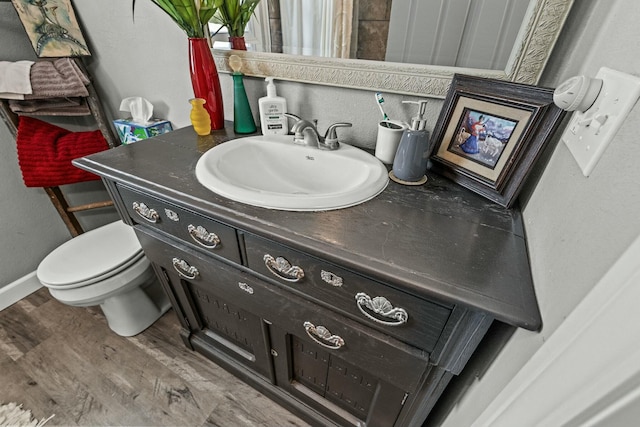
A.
pixel 294 117
pixel 331 136
pixel 331 132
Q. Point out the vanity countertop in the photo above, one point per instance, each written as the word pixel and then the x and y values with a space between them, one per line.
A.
pixel 440 241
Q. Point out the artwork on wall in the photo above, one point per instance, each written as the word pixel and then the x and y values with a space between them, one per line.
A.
pixel 52 27
pixel 491 132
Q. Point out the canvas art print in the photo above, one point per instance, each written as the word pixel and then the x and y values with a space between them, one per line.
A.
pixel 52 27
pixel 482 137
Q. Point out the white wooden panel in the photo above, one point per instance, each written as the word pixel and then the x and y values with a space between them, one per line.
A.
pixel 426 31
pixel 464 33
pixel 453 18
pixel 515 16
pixel 482 33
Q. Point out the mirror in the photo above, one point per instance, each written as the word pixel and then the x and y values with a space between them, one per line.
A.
pixel 464 33
pixel 538 33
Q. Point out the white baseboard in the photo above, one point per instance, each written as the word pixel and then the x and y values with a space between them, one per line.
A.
pixel 15 291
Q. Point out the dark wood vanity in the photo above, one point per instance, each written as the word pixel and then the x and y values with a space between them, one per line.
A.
pixel 357 316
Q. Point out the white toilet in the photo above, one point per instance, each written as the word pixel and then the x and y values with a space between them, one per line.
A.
pixel 106 267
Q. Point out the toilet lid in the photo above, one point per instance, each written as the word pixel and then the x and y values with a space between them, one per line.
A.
pixel 86 258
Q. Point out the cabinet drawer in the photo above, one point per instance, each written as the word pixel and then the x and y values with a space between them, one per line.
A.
pixel 406 317
pixel 193 229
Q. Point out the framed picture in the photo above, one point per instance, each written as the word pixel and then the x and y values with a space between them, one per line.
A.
pixel 52 28
pixel 491 132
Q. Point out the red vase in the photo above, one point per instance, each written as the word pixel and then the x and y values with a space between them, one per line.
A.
pixel 205 81
pixel 237 43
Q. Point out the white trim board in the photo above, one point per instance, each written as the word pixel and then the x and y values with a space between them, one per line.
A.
pixel 15 291
pixel 588 369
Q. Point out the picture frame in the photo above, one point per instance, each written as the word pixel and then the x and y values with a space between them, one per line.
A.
pixel 490 133
pixel 52 28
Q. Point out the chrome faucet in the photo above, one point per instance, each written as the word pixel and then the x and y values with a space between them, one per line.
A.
pixel 306 132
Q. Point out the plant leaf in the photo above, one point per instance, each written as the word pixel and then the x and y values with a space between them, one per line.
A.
pixel 193 17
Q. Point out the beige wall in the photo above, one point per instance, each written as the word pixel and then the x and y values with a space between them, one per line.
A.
pixel 29 226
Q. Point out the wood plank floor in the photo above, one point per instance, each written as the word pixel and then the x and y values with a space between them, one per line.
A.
pixel 62 360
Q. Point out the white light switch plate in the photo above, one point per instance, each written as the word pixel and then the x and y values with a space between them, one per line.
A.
pixel 589 132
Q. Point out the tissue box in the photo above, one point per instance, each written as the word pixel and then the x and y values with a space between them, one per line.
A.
pixel 129 131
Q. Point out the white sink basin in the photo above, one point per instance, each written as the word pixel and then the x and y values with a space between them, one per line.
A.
pixel 273 172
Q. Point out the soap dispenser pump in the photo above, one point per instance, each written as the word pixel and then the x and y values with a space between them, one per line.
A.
pixel 410 162
pixel 272 110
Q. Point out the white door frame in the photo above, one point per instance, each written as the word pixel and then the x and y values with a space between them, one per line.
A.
pixel 589 368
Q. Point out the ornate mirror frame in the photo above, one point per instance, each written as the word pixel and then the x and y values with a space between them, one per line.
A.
pixel 537 36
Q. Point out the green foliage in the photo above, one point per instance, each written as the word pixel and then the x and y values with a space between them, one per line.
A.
pixel 234 14
pixel 193 15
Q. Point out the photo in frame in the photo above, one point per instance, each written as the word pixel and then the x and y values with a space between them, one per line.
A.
pixel 52 28
pixel 490 133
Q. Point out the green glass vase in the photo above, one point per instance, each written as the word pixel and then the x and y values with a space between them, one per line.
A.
pixel 242 116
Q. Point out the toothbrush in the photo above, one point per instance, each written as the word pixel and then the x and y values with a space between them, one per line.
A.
pixel 380 100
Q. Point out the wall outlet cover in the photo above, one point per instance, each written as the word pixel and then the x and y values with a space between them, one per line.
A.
pixel 590 132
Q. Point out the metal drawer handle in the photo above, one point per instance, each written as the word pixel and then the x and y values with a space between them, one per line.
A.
pixel 281 268
pixel 203 237
pixel 145 213
pixel 184 269
pixel 322 336
pixel 382 307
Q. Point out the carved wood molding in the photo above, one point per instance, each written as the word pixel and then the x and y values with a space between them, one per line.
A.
pixel 536 40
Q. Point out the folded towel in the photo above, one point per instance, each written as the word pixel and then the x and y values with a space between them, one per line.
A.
pixel 15 77
pixel 11 95
pixel 45 152
pixel 51 107
pixel 59 78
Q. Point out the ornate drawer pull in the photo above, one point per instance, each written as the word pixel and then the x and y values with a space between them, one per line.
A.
pixel 281 268
pixel 145 213
pixel 203 237
pixel 381 306
pixel 322 336
pixel 184 269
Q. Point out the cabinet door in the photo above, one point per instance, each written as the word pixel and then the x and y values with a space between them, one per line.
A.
pixel 342 369
pixel 345 392
pixel 218 322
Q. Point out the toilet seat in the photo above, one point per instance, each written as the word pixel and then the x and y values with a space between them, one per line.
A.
pixel 106 267
pixel 140 273
pixel 91 257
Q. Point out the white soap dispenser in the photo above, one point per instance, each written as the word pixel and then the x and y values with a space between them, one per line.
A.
pixel 272 108
pixel 410 162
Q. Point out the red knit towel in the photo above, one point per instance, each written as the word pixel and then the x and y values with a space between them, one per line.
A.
pixel 45 152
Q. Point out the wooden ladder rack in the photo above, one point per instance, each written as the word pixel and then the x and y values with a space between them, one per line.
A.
pixel 66 211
